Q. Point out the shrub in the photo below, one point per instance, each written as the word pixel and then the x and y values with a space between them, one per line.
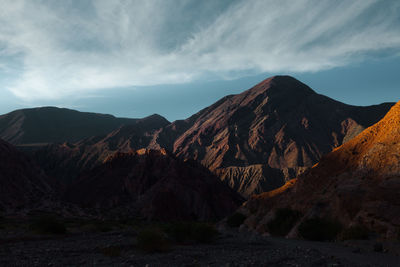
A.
pixel 357 232
pixel 98 226
pixel 320 229
pixel 48 225
pixel 112 251
pixel 182 232
pixel 283 221
pixel 236 219
pixel 398 234
pixel 204 233
pixel 152 240
pixel 2 222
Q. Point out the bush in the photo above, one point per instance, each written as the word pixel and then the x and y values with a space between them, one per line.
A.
pixel 204 233
pixel 48 225
pixel 152 240
pixel 357 232
pixel 283 221
pixel 320 229
pixel 98 226
pixel 182 232
pixel 113 251
pixel 236 219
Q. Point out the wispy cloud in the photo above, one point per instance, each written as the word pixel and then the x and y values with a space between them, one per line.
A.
pixel 53 49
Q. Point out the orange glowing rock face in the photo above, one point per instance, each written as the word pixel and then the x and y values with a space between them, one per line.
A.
pixel 374 152
pixel 357 183
pixel 266 195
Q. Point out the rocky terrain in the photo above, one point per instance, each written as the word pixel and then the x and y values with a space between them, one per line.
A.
pixel 118 248
pixel 153 184
pixel 22 183
pixel 357 184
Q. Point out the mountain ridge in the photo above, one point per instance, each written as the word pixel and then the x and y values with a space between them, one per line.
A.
pixel 280 122
pixel 52 124
pixel 254 141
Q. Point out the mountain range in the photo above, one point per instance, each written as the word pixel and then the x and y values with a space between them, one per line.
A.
pixel 252 142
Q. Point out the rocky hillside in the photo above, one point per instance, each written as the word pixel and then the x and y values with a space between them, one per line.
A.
pixel 154 185
pixel 357 183
pixel 66 161
pixel 23 184
pixel 257 140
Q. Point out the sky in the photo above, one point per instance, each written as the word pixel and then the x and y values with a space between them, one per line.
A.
pixel 175 57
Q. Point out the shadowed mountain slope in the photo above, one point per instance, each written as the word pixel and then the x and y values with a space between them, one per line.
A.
pixel 154 185
pixel 257 140
pixel 357 183
pixel 66 161
pixel 51 124
pixel 23 184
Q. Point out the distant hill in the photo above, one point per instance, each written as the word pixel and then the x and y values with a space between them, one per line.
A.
pixel 51 124
pixel 357 183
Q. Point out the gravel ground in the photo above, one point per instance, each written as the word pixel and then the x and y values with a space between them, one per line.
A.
pixel 231 249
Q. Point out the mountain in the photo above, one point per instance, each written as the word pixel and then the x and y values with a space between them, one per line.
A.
pixel 254 141
pixel 51 124
pixel 257 140
pixel 357 183
pixel 66 161
pixel 155 185
pixel 23 184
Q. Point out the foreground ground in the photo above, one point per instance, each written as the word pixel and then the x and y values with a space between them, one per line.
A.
pixel 116 247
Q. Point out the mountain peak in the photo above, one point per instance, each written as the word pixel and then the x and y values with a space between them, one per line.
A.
pixel 283 85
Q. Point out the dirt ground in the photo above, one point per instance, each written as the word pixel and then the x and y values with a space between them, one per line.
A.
pixel 231 248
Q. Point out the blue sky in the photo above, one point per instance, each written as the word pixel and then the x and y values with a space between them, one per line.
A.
pixel 175 57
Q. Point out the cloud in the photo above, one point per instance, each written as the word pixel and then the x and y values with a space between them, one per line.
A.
pixel 54 49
